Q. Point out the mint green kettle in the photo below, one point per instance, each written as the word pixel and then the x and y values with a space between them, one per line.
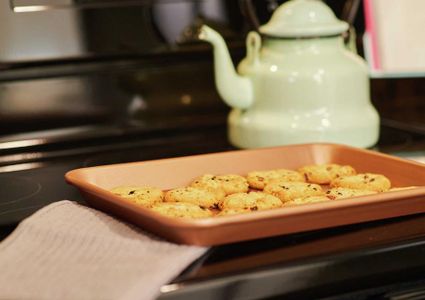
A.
pixel 298 82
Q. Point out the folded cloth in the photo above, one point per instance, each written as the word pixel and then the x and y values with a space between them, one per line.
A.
pixel 69 251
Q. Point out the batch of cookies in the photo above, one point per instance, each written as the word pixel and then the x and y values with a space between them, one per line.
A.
pixel 221 195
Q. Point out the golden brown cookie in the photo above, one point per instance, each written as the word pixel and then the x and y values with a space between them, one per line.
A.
pixel 145 196
pixel 342 193
pixel 210 183
pixel 201 197
pixel 306 200
pixel 252 201
pixel 182 210
pixel 365 181
pixel 324 174
pixel 259 179
pixel 288 191
pixel 233 183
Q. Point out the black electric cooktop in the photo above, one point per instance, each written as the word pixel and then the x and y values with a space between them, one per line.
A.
pixel 375 260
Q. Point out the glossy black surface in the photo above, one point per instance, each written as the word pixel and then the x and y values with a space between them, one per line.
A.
pixel 311 265
pixel 308 265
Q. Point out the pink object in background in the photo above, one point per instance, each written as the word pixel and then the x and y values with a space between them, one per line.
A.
pixel 394 42
pixel 371 31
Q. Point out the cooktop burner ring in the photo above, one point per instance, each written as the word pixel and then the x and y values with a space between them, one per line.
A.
pixel 18 189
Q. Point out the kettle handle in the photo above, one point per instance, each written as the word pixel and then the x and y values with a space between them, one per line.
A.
pixel 350 43
pixel 253 45
pixel 249 13
pixel 349 14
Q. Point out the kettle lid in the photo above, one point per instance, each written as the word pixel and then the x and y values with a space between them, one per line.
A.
pixel 303 18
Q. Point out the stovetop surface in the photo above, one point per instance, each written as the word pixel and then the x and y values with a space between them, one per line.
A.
pixel 32 176
pixel 31 173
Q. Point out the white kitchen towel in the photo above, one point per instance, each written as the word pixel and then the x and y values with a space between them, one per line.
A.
pixel 69 251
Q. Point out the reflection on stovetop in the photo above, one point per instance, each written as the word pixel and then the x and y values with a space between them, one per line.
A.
pixel 46 169
pixel 290 248
pixel 334 254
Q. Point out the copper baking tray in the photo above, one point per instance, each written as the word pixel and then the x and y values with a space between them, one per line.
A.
pixel 170 173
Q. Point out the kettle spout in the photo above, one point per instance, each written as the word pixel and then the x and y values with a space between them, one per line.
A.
pixel 235 90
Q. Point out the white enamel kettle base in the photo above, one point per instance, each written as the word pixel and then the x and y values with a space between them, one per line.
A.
pixel 361 129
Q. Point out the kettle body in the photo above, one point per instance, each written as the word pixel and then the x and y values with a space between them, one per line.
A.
pixel 313 90
pixel 301 86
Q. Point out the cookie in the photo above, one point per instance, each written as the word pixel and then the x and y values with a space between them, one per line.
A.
pixel 233 183
pixel 201 197
pixel 306 200
pixel 324 174
pixel 342 193
pixel 288 191
pixel 259 179
pixel 222 185
pixel 365 181
pixel 182 210
pixel 145 196
pixel 252 201
pixel 210 183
